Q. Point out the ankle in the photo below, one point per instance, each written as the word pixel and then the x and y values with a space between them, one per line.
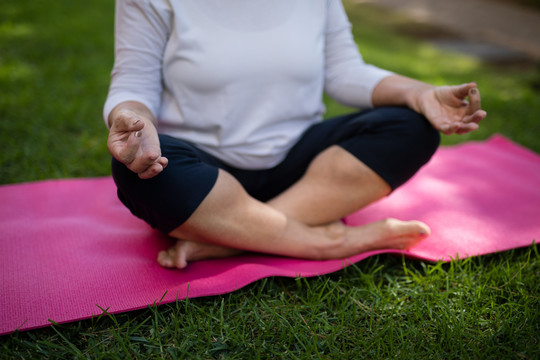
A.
pixel 334 241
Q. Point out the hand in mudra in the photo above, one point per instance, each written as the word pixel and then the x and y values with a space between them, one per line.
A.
pixel 134 142
pixel 452 109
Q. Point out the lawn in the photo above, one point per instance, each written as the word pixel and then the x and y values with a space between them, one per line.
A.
pixel 55 61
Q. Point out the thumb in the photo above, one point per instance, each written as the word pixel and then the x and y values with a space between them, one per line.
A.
pixel 127 121
pixel 462 91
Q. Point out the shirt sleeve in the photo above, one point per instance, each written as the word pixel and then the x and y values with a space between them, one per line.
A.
pixel 348 79
pixel 142 28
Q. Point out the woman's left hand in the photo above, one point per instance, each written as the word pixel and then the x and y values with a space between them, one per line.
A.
pixel 449 111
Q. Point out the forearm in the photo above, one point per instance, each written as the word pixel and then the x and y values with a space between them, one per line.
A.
pixel 134 107
pixel 397 90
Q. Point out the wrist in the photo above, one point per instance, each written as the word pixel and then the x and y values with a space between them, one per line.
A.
pixel 397 90
pixel 414 96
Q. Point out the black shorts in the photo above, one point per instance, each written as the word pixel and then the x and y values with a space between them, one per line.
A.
pixel 394 142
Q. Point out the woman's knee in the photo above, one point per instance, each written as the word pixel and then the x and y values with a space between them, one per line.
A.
pixel 395 142
pixel 420 133
pixel 169 199
pixel 409 126
pixel 416 140
pixel 408 133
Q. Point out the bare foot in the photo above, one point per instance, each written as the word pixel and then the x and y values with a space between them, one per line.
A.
pixel 183 251
pixel 349 241
pixel 388 234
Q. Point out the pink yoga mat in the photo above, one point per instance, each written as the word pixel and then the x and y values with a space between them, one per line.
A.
pixel 69 247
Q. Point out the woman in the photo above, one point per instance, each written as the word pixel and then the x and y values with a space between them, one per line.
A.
pixel 217 138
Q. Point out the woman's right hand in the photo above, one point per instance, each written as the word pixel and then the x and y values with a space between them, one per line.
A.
pixel 133 140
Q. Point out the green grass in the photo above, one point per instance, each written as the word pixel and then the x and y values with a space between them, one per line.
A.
pixel 383 307
pixel 55 61
pixel 54 72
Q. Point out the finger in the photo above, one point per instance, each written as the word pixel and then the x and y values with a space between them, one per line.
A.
pixel 127 149
pixel 152 171
pixel 465 128
pixel 449 128
pixel 127 121
pixel 142 163
pixel 137 126
pixel 474 101
pixel 163 161
pixel 478 116
pixel 462 91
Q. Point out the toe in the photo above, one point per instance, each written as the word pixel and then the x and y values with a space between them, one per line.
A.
pixel 164 259
pixel 422 228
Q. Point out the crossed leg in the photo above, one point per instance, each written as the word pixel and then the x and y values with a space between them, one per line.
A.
pixel 301 222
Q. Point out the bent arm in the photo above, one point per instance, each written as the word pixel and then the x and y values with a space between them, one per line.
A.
pixel 450 109
pixel 142 29
pixel 348 79
pixel 352 82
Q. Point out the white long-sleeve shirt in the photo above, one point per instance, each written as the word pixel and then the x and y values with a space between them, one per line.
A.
pixel 242 79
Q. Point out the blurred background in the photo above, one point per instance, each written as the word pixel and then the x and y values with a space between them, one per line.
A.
pixel 56 58
pixel 494 30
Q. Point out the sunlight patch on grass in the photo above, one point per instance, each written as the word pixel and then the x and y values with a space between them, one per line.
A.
pixel 12 30
pixel 458 63
pixel 16 71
